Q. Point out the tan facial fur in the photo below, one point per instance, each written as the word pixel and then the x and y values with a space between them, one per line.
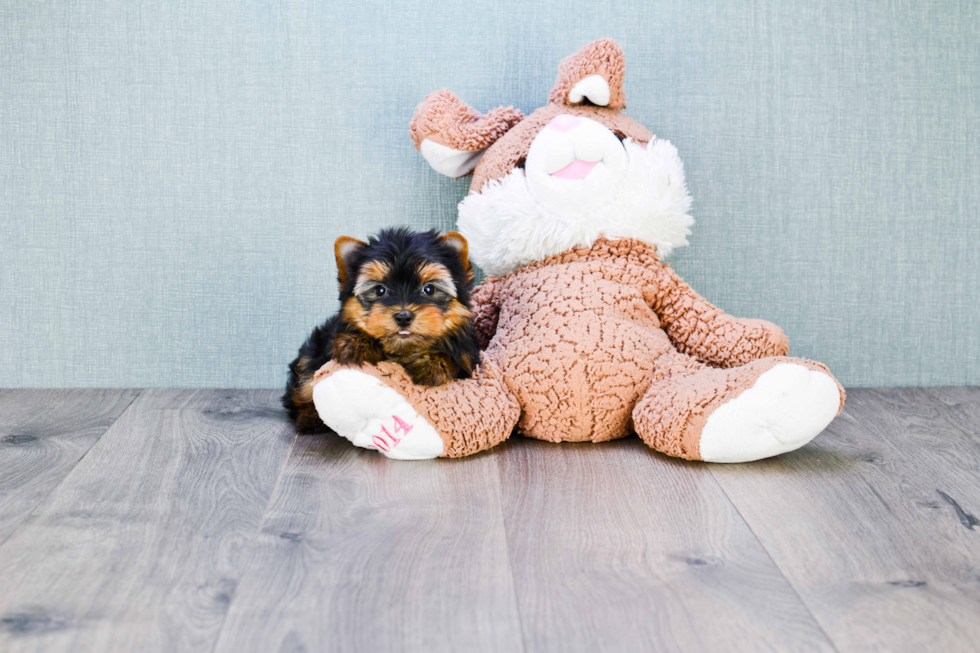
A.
pixel 432 322
pixel 376 321
pixel 434 272
pixel 438 276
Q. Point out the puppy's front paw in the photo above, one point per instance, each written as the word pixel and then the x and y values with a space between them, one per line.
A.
pixel 372 415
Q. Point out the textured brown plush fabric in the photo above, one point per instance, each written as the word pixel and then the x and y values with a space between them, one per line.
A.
pixel 589 345
pixel 603 57
pixel 470 415
pixel 447 120
pixel 673 411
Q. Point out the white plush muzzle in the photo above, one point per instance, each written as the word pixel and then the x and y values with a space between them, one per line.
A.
pixel 628 190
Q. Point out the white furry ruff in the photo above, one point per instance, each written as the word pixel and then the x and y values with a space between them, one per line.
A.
pixel 507 227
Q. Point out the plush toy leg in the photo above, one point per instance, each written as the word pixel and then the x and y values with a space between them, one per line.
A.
pixel 762 409
pixel 380 408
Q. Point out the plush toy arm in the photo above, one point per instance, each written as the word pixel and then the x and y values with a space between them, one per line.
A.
pixel 378 407
pixel 485 304
pixel 706 332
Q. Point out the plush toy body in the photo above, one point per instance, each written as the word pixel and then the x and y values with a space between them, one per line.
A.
pixel 588 336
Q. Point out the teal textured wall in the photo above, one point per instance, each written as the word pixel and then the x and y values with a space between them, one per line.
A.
pixel 173 175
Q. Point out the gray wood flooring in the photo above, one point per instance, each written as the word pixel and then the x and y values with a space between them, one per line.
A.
pixel 168 520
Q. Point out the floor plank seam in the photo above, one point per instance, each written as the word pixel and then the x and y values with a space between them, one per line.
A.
pixel 510 567
pixel 47 495
pixel 255 537
pixel 775 564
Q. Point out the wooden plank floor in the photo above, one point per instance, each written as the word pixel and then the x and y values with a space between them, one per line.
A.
pixel 43 434
pixel 197 521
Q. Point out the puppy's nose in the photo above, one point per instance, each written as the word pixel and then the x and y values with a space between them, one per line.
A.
pixel 564 122
pixel 403 318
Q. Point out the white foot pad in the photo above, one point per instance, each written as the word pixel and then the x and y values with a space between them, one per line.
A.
pixel 372 415
pixel 786 408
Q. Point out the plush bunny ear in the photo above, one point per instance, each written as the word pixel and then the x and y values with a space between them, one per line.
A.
pixel 593 75
pixel 452 135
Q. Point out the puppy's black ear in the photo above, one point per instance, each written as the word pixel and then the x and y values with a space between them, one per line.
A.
pixel 458 243
pixel 344 250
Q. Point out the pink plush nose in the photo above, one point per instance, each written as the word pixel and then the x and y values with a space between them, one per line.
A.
pixel 564 122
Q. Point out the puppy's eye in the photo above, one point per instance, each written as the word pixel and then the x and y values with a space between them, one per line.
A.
pixel 428 289
pixel 380 291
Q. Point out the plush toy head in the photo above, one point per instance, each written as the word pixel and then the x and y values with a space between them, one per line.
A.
pixel 571 172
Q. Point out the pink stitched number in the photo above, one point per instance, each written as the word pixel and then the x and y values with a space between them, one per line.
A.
pixel 392 441
pixel 401 426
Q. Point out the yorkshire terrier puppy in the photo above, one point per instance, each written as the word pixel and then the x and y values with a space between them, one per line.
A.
pixel 404 298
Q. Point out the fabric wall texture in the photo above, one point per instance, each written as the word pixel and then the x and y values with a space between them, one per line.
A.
pixel 173 175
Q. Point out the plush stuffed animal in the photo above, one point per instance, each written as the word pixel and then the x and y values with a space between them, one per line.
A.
pixel 587 334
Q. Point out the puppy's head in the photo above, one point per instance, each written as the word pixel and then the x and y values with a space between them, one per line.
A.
pixel 403 288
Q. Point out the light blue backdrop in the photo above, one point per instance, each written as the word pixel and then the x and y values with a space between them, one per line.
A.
pixel 173 175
